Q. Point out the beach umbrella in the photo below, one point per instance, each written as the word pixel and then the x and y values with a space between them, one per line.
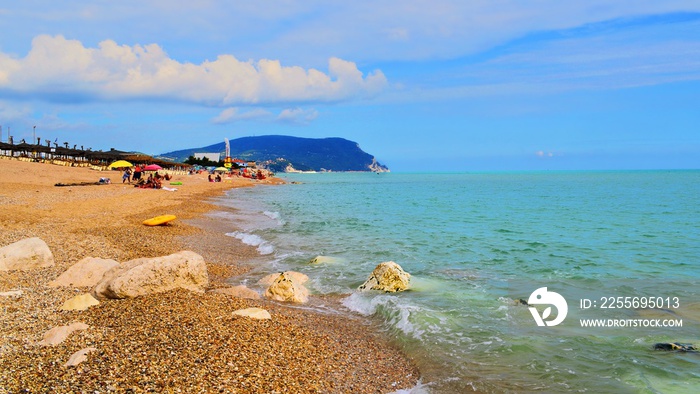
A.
pixel 152 167
pixel 222 169
pixel 120 164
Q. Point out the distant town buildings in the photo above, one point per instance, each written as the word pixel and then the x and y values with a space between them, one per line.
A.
pixel 211 156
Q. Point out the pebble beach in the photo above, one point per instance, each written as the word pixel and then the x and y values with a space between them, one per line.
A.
pixel 177 341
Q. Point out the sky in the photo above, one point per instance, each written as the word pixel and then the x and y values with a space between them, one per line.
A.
pixel 451 85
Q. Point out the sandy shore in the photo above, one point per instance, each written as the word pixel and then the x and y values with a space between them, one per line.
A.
pixel 172 342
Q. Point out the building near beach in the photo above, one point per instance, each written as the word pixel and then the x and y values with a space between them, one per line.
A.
pixel 210 156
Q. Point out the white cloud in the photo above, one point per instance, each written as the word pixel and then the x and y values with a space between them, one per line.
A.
pixel 58 66
pixel 230 115
pixel 297 116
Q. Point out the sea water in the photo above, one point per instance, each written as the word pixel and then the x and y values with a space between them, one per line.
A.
pixel 476 244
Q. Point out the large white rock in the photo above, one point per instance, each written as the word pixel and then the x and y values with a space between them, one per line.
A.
pixel 79 303
pixel 240 291
pixel 253 313
pixel 389 277
pixel 286 288
pixel 26 254
pixel 267 280
pixel 58 334
pixel 182 270
pixel 85 273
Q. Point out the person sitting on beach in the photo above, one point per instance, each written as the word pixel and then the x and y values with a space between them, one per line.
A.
pixel 148 183
pixel 218 178
pixel 210 178
pixel 167 177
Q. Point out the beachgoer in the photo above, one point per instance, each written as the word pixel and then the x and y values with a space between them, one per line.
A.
pixel 127 175
pixel 210 179
pixel 137 173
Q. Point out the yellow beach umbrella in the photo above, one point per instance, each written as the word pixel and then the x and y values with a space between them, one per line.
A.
pixel 221 169
pixel 120 164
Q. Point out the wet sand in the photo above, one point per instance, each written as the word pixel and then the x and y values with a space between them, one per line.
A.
pixel 177 341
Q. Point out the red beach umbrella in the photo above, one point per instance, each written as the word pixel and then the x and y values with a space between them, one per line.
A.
pixel 152 167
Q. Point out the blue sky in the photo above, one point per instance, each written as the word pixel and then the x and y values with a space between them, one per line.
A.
pixel 459 85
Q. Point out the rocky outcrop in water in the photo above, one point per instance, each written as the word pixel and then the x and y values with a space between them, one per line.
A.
pixel 676 347
pixel 389 277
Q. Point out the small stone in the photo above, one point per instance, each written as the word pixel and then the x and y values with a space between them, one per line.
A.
pixel 254 313
pixel 12 293
pixel 58 334
pixel 79 303
pixel 79 356
pixel 240 291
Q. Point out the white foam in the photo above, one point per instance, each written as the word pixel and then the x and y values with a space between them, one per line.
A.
pixel 419 388
pixel 361 304
pixel 398 314
pixel 274 216
pixel 263 246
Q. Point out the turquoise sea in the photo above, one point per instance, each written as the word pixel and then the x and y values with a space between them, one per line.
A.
pixel 476 242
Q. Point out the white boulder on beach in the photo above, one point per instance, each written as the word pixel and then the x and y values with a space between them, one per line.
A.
pixel 27 254
pixel 287 288
pixel 87 272
pixel 387 276
pixel 183 270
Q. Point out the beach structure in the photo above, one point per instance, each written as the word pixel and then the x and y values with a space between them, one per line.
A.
pixel 79 157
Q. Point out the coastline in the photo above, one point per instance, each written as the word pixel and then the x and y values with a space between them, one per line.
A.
pixel 170 341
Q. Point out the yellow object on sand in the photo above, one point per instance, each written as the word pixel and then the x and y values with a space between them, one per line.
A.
pixel 158 220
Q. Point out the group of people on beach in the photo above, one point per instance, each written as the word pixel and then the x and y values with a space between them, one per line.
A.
pixel 127 177
pixel 154 181
pixel 216 179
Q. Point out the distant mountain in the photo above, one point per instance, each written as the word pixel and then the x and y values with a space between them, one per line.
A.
pixel 283 153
